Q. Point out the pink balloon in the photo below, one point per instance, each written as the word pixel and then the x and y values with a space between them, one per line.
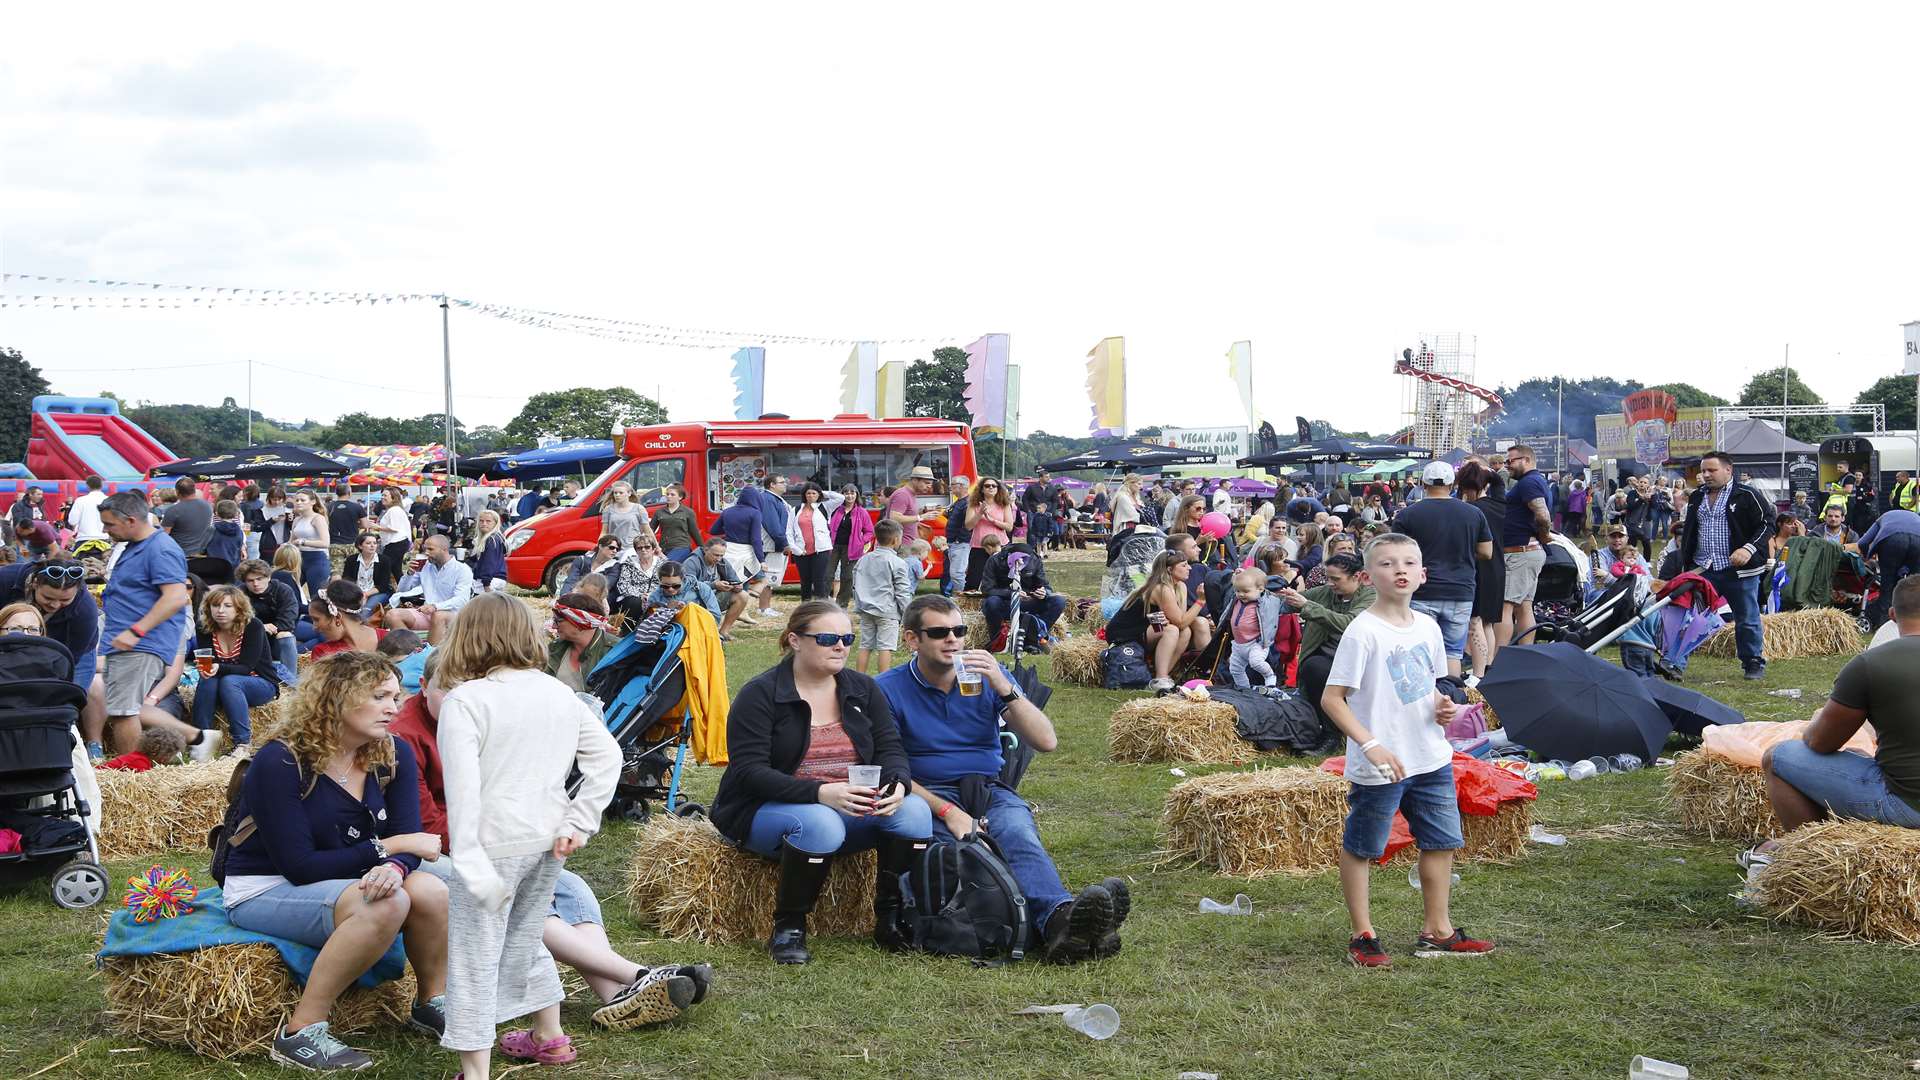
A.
pixel 1215 525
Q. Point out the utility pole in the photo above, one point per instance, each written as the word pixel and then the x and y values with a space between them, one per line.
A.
pixel 1786 382
pixel 249 399
pixel 446 369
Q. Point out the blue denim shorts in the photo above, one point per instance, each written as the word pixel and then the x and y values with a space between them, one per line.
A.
pixel 302 913
pixel 574 902
pixel 1455 618
pixel 1429 801
pixel 1849 785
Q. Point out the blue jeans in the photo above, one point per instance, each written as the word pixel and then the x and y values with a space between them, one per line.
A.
pixel 1010 823
pixel 1743 597
pixel 1036 616
pixel 956 579
pixel 235 695
pixel 306 635
pixel 1454 617
pixel 315 569
pixel 286 650
pixel 822 830
pixel 1429 801
pixel 1849 785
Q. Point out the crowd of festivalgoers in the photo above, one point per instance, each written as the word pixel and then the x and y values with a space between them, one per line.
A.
pixel 396 797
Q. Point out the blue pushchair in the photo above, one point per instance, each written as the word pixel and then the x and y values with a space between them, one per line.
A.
pixel 641 680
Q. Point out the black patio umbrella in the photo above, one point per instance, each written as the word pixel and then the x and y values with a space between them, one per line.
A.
pixel 479 465
pixel 271 461
pixel 1690 710
pixel 353 462
pixel 1563 703
pixel 1337 448
pixel 1129 454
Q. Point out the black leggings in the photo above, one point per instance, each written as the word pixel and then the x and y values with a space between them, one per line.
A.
pixel 1310 677
pixel 815 575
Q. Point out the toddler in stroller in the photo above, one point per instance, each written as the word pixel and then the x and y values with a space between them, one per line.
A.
pixel 43 819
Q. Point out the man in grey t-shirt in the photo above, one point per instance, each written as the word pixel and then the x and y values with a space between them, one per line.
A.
pixel 189 520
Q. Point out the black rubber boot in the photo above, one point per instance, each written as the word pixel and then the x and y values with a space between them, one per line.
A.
pixel 802 874
pixel 1075 926
pixel 1108 943
pixel 897 856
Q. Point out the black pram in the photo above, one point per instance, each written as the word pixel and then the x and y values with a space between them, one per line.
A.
pixel 39 713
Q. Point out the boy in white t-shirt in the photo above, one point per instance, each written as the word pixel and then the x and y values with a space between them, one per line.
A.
pixel 1381 695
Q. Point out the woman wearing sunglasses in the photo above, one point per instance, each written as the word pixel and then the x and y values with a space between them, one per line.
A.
pixel 792 734
pixel 58 590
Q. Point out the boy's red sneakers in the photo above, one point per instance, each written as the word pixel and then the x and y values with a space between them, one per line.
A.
pixel 1365 952
pixel 1426 946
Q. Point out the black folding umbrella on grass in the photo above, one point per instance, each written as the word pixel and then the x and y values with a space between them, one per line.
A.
pixel 1690 710
pixel 1563 703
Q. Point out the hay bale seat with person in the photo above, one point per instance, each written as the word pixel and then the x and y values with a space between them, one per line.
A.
pixel 1721 798
pixel 1853 878
pixel 228 1000
pixel 1076 661
pixel 688 882
pixel 1172 729
pixel 166 808
pixel 1792 635
pixel 1289 821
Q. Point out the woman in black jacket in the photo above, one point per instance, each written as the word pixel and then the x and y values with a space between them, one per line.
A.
pixel 234 655
pixel 368 570
pixel 792 733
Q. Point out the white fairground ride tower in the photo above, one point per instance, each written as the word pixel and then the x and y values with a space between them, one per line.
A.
pixel 1442 407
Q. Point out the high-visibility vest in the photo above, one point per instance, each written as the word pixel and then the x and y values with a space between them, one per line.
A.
pixel 1907 496
pixel 1835 498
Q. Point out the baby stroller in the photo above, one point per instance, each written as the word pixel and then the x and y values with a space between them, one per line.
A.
pixel 1563 582
pixel 643 680
pixel 39 799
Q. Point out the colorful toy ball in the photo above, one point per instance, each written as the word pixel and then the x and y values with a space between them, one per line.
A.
pixel 160 893
pixel 1215 525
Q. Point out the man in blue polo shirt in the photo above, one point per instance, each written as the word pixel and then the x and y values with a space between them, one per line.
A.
pixel 145 616
pixel 953 745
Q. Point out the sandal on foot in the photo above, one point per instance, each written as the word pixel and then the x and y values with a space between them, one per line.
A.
pixel 521 1045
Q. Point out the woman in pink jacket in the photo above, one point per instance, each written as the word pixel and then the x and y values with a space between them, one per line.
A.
pixel 852 529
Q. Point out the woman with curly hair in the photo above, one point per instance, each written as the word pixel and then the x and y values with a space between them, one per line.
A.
pixel 330 860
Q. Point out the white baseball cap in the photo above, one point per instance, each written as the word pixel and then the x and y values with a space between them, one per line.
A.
pixel 1437 473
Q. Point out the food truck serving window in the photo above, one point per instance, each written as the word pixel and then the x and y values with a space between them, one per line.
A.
pixel 871 468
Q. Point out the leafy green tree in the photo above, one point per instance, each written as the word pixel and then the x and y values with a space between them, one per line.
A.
pixel 585 412
pixel 195 430
pixel 1765 389
pixel 20 382
pixel 1690 396
pixel 362 429
pixel 1153 432
pixel 938 387
pixel 483 439
pixel 1896 393
pixel 1542 406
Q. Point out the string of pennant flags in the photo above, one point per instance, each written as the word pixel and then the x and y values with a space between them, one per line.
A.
pixel 149 295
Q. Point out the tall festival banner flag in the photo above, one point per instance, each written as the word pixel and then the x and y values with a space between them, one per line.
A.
pixel 890 389
pixel 987 385
pixel 1013 401
pixel 1107 388
pixel 1240 368
pixel 857 379
pixel 749 383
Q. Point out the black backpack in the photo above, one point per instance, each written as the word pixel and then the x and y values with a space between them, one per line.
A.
pixel 237 826
pixel 1124 666
pixel 962 900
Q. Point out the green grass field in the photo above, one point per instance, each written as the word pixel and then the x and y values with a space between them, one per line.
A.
pixel 1625 941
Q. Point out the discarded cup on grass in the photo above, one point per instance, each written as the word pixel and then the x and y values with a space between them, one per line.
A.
pixel 1541 836
pixel 1413 876
pixel 1646 1068
pixel 1242 905
pixel 1581 770
pixel 1625 762
pixel 1792 692
pixel 1095 1021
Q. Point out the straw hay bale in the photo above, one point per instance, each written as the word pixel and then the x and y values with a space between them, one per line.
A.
pixel 1857 879
pixel 1077 661
pixel 969 601
pixel 1719 798
pixel 1084 612
pixel 167 808
pixel 1502 838
pixel 1255 824
pixel 1474 697
pixel 1171 728
pixel 688 882
pixel 977 630
pixel 1791 635
pixel 225 1001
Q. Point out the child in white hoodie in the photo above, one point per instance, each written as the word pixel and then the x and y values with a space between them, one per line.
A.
pixel 509 735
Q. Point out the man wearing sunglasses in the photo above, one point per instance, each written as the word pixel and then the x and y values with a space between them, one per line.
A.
pixel 953 741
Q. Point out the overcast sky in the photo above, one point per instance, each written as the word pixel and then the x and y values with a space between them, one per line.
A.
pixel 1656 192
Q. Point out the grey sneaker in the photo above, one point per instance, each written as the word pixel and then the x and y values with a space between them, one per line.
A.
pixel 429 1017
pixel 314 1049
pixel 657 996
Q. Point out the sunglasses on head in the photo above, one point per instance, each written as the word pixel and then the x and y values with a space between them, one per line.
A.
pixel 941 633
pixel 62 573
pixel 828 641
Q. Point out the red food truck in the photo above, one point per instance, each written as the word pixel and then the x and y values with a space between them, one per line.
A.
pixel 714 460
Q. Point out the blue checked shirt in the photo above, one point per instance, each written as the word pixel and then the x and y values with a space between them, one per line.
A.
pixel 1715 547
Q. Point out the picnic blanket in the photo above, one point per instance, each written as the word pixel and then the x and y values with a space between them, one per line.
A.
pixel 1480 786
pixel 206 926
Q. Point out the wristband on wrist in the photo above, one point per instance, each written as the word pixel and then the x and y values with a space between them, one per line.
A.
pixel 1368 745
pixel 137 632
pixel 942 811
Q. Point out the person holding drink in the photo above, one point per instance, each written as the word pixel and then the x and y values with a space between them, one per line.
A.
pixel 816 769
pixel 237 672
pixel 950 703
